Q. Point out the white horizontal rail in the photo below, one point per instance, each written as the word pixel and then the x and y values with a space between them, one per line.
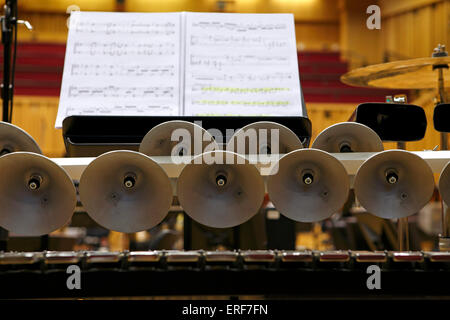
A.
pixel 351 161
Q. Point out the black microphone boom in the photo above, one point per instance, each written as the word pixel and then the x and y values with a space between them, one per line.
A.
pixel 9 22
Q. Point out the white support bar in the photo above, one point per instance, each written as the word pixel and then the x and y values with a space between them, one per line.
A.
pixel 351 161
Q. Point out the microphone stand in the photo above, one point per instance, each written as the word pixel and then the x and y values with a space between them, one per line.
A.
pixel 8 22
pixel 9 31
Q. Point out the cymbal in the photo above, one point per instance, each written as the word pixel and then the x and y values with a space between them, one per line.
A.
pixel 158 141
pixel 37 196
pixel 394 184
pixel 125 191
pixel 287 139
pixel 348 137
pixel 308 201
pixel 13 138
pixel 403 74
pixel 223 194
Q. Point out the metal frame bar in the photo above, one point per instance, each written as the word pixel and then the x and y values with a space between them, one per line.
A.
pixel 437 160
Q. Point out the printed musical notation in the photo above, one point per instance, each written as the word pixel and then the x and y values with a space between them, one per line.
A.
pixel 242 103
pixel 115 48
pixel 239 27
pixel 121 64
pixel 237 90
pixel 180 64
pixel 242 41
pixel 120 92
pixel 111 70
pixel 128 28
pixel 119 109
pixel 241 64
pixel 220 61
pixel 243 77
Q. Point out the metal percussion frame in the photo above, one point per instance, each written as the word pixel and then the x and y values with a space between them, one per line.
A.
pixel 351 161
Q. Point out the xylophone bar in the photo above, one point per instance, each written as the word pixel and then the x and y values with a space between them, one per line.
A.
pixel 272 259
pixel 301 274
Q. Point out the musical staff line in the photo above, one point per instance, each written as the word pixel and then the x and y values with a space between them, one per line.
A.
pixel 121 49
pixel 122 70
pixel 120 92
pixel 110 28
pixel 117 109
pixel 239 27
pixel 243 77
pixel 243 41
pixel 207 89
pixel 218 62
pixel 246 103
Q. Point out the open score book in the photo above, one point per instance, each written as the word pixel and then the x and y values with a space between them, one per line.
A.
pixel 180 64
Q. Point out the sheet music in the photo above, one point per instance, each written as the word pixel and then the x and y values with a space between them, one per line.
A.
pixel 121 64
pixel 241 64
pixel 180 64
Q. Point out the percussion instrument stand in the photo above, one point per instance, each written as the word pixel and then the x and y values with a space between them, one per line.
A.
pixel 187 232
pixel 3 239
pixel 402 224
pixel 439 51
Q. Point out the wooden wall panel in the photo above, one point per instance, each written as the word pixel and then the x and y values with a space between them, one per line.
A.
pixel 396 7
pixel 323 115
pixel 359 45
pixel 47 27
pixel 317 22
pixel 409 29
pixel 317 36
pixel 36 115
pixel 62 5
pixel 413 31
pixel 316 10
